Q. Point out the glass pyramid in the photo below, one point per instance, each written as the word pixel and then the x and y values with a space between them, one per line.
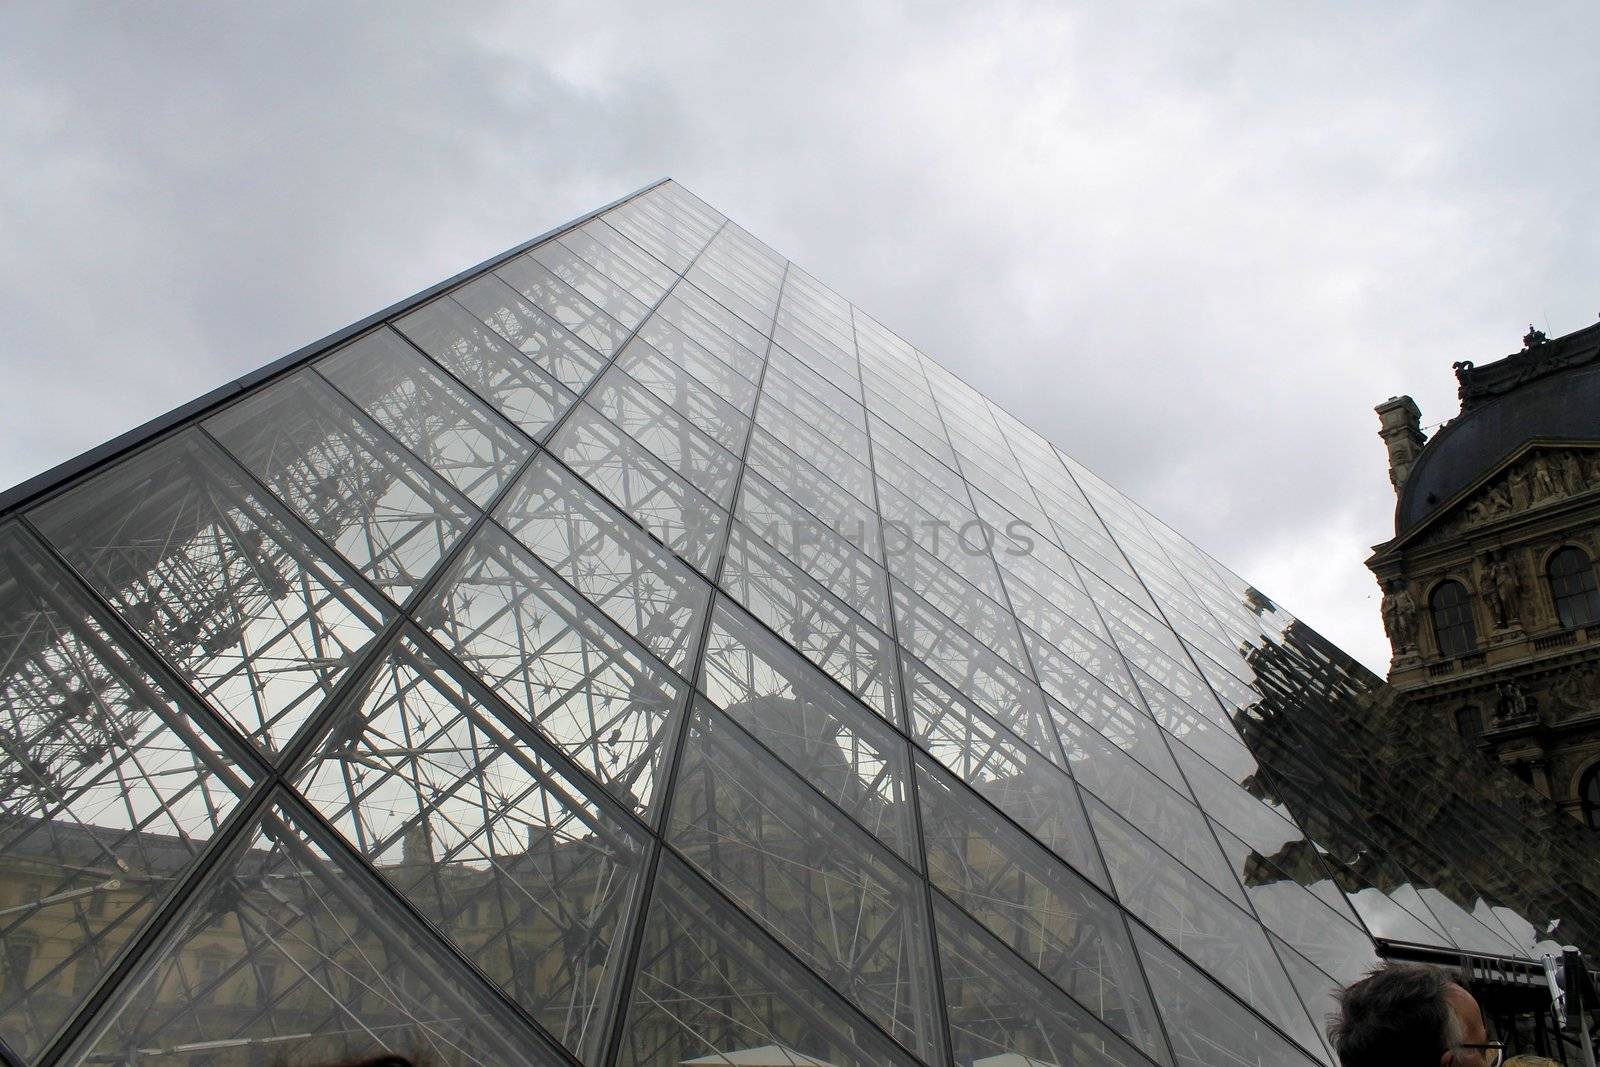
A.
pixel 630 652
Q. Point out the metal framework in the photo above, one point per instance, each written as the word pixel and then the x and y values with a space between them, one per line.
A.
pixel 629 652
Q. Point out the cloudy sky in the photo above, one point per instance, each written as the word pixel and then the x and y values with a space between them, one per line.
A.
pixel 1191 242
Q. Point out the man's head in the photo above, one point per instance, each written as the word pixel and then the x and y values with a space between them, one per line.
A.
pixel 1406 1015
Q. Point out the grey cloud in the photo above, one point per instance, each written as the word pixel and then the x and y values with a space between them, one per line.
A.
pixel 1193 243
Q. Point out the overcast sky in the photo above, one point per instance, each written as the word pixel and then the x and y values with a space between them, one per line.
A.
pixel 1193 243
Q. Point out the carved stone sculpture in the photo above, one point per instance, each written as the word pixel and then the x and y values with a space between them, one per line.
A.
pixel 1544 480
pixel 1400 617
pixel 1512 706
pixel 1521 491
pixel 1502 591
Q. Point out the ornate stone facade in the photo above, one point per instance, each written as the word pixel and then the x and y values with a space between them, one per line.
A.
pixel 1489 584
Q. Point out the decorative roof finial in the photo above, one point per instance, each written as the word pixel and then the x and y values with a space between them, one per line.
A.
pixel 1533 338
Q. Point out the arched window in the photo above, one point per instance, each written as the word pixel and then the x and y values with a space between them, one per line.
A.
pixel 1573 586
pixel 1589 793
pixel 1452 620
pixel 1469 724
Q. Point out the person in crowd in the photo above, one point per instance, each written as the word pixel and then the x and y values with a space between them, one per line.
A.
pixel 1409 1015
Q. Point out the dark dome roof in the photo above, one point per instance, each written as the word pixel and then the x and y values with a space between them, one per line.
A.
pixel 1563 407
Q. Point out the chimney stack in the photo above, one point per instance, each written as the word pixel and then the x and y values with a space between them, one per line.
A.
pixel 1400 426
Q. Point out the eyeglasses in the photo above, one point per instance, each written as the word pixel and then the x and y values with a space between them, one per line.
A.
pixel 1493 1052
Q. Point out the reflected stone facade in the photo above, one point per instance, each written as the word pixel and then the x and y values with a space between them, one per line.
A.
pixel 630 652
pixel 1491 592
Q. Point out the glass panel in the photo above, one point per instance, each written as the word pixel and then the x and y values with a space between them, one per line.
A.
pixel 373 503
pixel 811 489
pixel 682 332
pixel 812 620
pixel 1290 910
pixel 624 572
pixel 488 364
pixel 667 507
pixel 735 383
pixel 980 675
pixel 1208 1027
pixel 110 786
pixel 535 334
pixel 1046 913
pixel 815 548
pixel 670 437
pixel 555 659
pixel 713 991
pixel 233 597
pixel 695 401
pixel 1159 813
pixel 288 958
pixel 1005 1014
pixel 568 306
pixel 840 748
pixel 1007 773
pixel 601 233
pixel 426 411
pixel 1231 945
pixel 809 875
pixel 832 457
pixel 486 837
pixel 646 281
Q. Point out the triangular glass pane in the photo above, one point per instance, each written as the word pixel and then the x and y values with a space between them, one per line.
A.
pixel 816 881
pixel 449 429
pixel 639 483
pixel 1004 1014
pixel 1035 793
pixel 240 602
pixel 713 989
pixel 373 503
pixel 836 745
pixel 488 364
pixel 620 569
pixel 111 785
pixel 535 334
pixel 1230 944
pixel 1045 912
pixel 610 707
pixel 1209 1028
pixel 496 845
pixel 286 957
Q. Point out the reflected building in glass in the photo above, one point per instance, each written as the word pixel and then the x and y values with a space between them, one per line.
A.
pixel 630 652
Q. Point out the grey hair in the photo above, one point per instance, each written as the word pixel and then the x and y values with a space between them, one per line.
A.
pixel 1397 1016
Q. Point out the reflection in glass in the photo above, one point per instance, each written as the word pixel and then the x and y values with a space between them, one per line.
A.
pixel 1045 913
pixel 814 880
pixel 110 786
pixel 428 413
pixel 288 957
pixel 608 705
pixel 839 747
pixel 373 503
pixel 498 847
pixel 713 989
pixel 233 597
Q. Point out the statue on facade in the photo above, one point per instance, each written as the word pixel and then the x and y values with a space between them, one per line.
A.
pixel 1502 590
pixel 1400 617
pixel 1498 501
pixel 1521 490
pixel 1512 705
pixel 1544 480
